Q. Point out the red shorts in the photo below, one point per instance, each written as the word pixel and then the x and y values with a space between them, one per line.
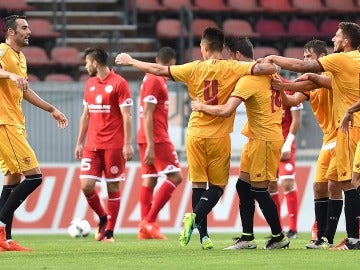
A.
pixel 166 160
pixel 287 168
pixel 107 164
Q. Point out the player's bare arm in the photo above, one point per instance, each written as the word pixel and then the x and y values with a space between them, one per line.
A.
pixel 348 119
pixel 220 110
pixel 128 150
pixel 21 82
pixel 295 86
pixel 293 100
pixel 125 59
pixel 83 127
pixel 264 69
pixel 37 101
pixel 320 80
pixel 293 64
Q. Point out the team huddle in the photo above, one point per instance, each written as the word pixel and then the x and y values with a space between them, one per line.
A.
pixel 216 86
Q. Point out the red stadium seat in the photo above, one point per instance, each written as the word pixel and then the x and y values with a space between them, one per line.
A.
pixel 313 6
pixel 245 6
pixel 270 28
pixel 58 77
pixel 238 27
pixel 42 28
pixel 15 5
pixel 343 6
pixel 214 5
pixel 33 78
pixel 294 52
pixel 277 6
pixel 37 57
pixel 66 56
pixel 199 25
pixel 177 4
pixel 169 29
pixel 302 29
pixel 148 6
pixel 84 77
pixel 329 27
pixel 194 54
pixel 262 51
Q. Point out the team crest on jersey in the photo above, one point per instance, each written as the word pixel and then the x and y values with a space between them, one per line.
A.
pixel 92 88
pixel 98 99
pixel 27 160
pixel 109 88
pixel 114 169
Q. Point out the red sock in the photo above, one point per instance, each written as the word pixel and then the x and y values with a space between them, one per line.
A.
pixel 93 200
pixel 276 199
pixel 146 197
pixel 113 209
pixel 161 198
pixel 292 206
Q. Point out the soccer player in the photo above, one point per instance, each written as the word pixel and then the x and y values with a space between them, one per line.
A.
pixel 104 142
pixel 17 158
pixel 343 66
pixel 328 205
pixel 213 80
pixel 290 123
pixel 261 154
pixel 157 154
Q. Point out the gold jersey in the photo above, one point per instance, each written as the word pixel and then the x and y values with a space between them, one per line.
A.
pixel 212 81
pixel 345 82
pixel 321 101
pixel 10 95
pixel 263 108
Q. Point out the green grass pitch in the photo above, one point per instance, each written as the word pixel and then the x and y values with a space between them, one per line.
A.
pixel 64 252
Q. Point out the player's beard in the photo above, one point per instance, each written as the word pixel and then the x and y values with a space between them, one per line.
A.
pixel 93 73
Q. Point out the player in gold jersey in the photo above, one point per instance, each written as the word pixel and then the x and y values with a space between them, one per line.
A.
pixel 344 68
pixel 17 158
pixel 261 154
pixel 328 205
pixel 212 80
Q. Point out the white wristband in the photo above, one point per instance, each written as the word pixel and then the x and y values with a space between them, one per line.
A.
pixel 288 143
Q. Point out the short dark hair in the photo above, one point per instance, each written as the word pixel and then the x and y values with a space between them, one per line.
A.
pixel 352 32
pixel 166 54
pixel 240 44
pixel 98 54
pixel 318 46
pixel 10 22
pixel 214 38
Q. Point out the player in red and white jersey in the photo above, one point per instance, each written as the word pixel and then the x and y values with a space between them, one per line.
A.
pixel 104 141
pixel 157 154
pixel 286 172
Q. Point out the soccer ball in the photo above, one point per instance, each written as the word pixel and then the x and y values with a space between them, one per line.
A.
pixel 79 228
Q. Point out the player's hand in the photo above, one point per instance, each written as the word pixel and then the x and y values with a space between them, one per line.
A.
pixel 78 152
pixel 267 59
pixel 347 121
pixel 128 152
pixel 149 155
pixel 21 82
pixel 285 155
pixel 277 84
pixel 60 118
pixel 196 104
pixel 123 59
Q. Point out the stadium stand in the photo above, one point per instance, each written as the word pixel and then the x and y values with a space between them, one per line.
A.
pixel 261 51
pixel 294 52
pixel 310 6
pixel 15 5
pixel 343 6
pixel 169 29
pixel 270 28
pixel 33 78
pixel 277 6
pixel 328 27
pixel 148 6
pixel 58 77
pixel 249 6
pixel 37 57
pixel 302 29
pixel 236 27
pixel 176 5
pixel 214 6
pixel 66 56
pixel 199 25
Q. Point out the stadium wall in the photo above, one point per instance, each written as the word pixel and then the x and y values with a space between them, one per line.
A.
pixel 50 209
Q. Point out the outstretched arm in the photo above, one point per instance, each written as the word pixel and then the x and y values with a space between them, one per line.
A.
pixel 125 59
pixel 34 99
pixel 220 110
pixel 293 64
